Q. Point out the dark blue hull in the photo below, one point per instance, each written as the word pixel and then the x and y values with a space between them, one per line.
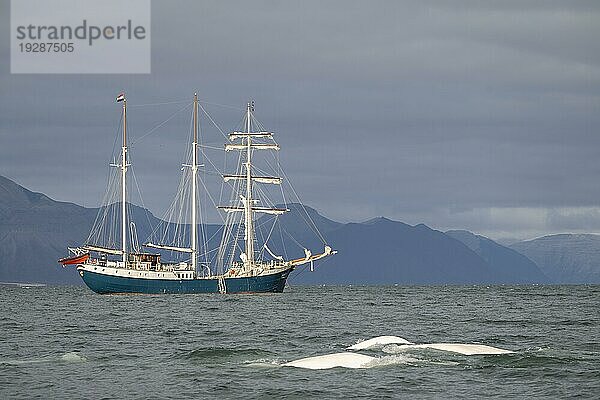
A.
pixel 105 284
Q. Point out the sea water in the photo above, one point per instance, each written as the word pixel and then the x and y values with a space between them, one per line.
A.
pixel 68 342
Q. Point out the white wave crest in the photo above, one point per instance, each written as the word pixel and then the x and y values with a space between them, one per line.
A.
pixel 263 363
pixel 397 359
pixel 73 357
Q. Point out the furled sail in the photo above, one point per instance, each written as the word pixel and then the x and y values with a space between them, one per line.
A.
pixel 172 248
pixel 260 179
pixel 237 135
pixel 259 146
pixel 274 211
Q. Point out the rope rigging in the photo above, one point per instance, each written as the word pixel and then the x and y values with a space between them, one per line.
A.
pixel 174 226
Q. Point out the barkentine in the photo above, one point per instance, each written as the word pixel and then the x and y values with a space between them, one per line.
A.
pixel 110 269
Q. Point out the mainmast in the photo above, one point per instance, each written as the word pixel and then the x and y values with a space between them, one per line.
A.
pixel 194 226
pixel 193 249
pixel 248 203
pixel 124 185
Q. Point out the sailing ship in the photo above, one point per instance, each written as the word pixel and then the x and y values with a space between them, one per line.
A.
pixel 128 269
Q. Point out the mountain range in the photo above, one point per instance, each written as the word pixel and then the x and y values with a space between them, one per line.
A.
pixel 35 232
pixel 565 258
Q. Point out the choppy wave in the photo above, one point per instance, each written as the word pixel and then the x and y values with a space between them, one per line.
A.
pixel 221 353
pixel 264 363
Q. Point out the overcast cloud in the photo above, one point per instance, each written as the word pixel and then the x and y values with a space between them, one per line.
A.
pixel 464 114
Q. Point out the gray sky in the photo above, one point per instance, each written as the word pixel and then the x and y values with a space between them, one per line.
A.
pixel 475 115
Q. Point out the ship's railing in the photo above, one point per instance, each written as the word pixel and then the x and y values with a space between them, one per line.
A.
pixel 140 265
pixel 272 264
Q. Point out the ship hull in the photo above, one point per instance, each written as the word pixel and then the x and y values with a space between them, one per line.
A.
pixel 107 284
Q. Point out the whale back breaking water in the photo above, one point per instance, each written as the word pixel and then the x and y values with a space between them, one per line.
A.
pixel 378 341
pixel 402 344
pixel 346 360
pixel 393 344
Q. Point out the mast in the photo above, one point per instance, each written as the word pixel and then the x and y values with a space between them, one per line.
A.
pixel 123 187
pixel 247 199
pixel 248 203
pixel 194 226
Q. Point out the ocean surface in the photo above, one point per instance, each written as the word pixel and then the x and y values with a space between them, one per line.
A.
pixel 68 342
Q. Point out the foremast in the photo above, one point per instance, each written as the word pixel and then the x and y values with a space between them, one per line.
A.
pixel 124 165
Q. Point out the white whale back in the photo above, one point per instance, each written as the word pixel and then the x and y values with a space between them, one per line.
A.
pixel 466 349
pixel 390 344
pixel 345 360
pixel 378 341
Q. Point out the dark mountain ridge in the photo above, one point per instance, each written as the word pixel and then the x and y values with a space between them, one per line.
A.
pixel 565 258
pixel 35 231
pixel 511 263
